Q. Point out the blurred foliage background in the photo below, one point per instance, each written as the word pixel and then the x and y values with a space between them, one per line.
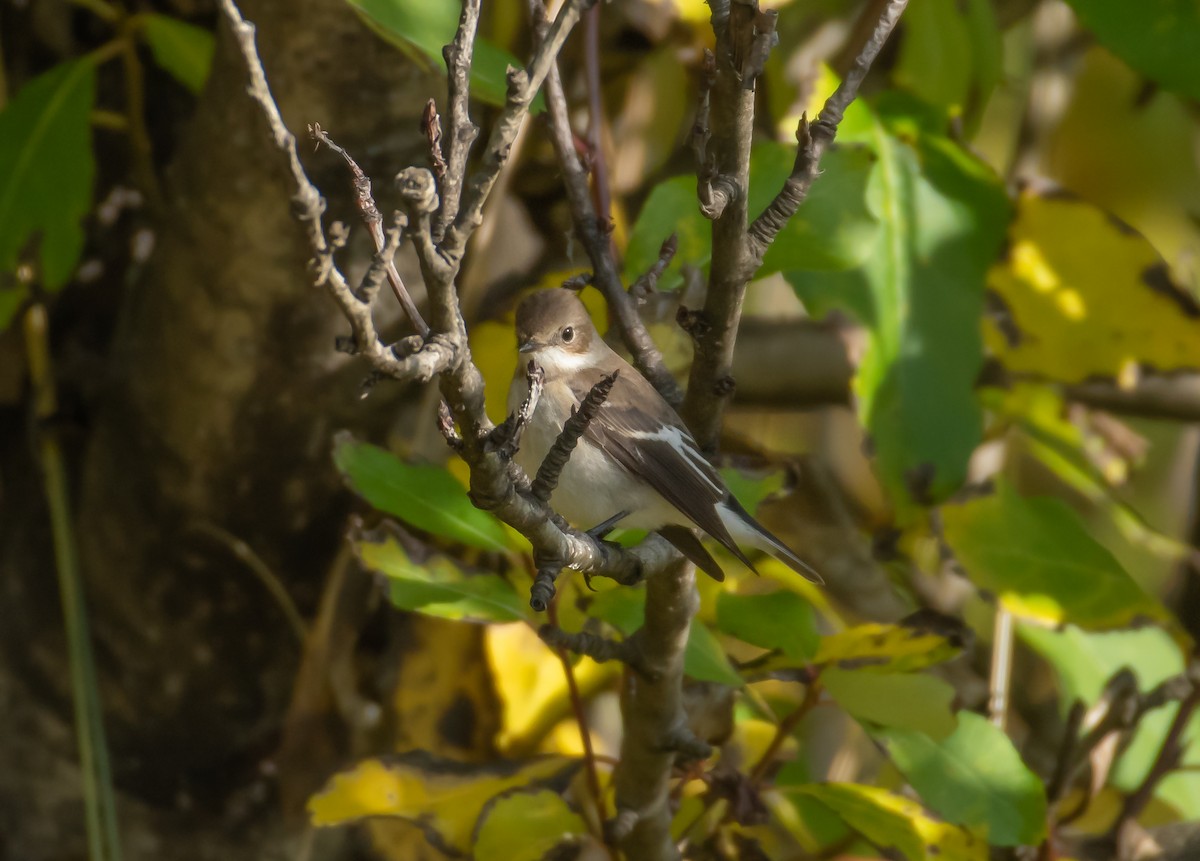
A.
pixel 966 389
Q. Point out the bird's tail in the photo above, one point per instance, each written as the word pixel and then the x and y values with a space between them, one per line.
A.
pixel 746 530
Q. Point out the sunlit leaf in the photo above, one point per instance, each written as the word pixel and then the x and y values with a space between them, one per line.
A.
pixel 525 826
pixel 442 797
pixel 1085 661
pixel 832 230
pixel 1064 292
pixel 1158 38
pixel 973 777
pixel 182 49
pixel 889 820
pixel 426 26
pixel 912 702
pixel 531 684
pixel 438 587
pixel 46 170
pixel 920 295
pixel 885 648
pixel 778 620
pixel 427 497
pixel 1037 557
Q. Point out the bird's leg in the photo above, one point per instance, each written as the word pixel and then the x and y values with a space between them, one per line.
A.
pixel 601 530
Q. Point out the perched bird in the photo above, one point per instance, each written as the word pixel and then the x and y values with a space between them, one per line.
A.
pixel 637 462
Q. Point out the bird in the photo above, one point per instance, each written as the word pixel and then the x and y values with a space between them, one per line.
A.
pixel 636 463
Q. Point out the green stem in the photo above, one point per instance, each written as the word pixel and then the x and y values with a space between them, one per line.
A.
pixel 99 803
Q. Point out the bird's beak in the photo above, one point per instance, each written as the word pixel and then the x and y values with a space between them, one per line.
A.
pixel 527 346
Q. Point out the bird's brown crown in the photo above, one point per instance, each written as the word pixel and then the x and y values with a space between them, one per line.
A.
pixel 544 318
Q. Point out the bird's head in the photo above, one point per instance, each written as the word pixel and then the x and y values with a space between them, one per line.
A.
pixel 554 330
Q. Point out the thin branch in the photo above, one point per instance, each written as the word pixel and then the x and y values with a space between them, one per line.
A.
pixel 594 646
pixel 373 218
pixel 595 136
pixel 463 132
pixel 813 140
pixel 596 242
pixel 523 85
pixel 507 437
pixel 644 286
pixel 558 455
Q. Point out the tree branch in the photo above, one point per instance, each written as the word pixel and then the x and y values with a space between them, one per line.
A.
pixel 593 234
pixel 813 140
pixel 463 132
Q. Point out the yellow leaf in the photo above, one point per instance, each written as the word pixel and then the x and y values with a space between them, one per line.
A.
pixel 889 820
pixel 1080 294
pixel 442 797
pixel 525 826
pixel 532 685
pixel 885 648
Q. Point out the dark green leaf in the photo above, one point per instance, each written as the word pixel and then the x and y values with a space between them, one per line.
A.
pixel 973 777
pixel 779 620
pixel 1158 38
pixel 438 587
pixel 832 230
pixel 182 49
pixel 950 54
pixel 920 294
pixel 427 26
pixel 427 497
pixel 46 171
pixel 1037 557
pixel 912 702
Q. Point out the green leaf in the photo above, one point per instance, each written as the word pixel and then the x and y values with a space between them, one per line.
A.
pixel 950 54
pixel 973 777
pixel 182 49
pixel 525 826
pixel 427 497
pixel 429 25
pixel 778 620
pixel 1037 557
pixel 751 490
pixel 913 703
pixel 889 820
pixel 46 170
pixel 833 228
pixel 438 587
pixel 705 660
pixel 920 295
pixel 1158 38
pixel 1085 661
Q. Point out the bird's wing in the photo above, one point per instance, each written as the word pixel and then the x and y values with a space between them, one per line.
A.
pixel 641 432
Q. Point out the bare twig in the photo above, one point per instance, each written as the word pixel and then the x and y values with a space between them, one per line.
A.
pixel 596 647
pixel 458 55
pixel 590 230
pixel 507 437
pixel 523 85
pixel 644 286
pixel 554 461
pixel 373 218
pixel 431 127
pixel 738 251
pixel 813 140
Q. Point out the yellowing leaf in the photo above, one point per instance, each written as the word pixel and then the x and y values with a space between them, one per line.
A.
pixel 885 649
pixel 525 826
pixel 1081 294
pixel 532 685
pixel 890 821
pixel 442 797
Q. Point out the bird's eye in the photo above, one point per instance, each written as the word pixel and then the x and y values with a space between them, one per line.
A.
pixel 568 335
